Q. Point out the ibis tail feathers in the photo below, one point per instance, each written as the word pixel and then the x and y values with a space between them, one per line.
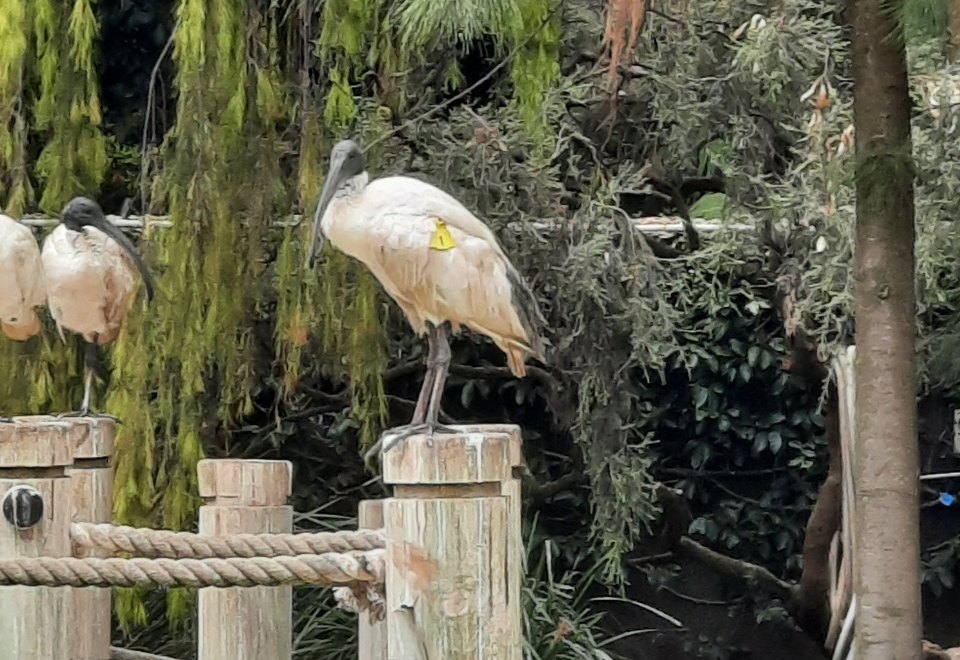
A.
pixel 525 304
pixel 515 360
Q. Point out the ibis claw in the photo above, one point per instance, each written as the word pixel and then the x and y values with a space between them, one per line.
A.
pixel 393 437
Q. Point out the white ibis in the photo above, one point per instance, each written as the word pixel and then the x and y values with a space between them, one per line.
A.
pixel 439 262
pixel 89 268
pixel 21 280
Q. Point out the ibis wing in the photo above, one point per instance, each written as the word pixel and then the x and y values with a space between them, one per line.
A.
pixel 467 283
pixel 21 279
pixel 401 193
pixel 90 281
pixel 438 261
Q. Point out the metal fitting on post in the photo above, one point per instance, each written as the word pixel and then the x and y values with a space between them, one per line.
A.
pixel 22 507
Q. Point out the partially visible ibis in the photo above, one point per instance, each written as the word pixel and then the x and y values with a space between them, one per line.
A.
pixel 90 270
pixel 439 262
pixel 21 280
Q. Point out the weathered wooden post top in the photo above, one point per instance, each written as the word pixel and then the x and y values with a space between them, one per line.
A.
pixel 454 551
pixel 35 500
pixel 91 478
pixel 245 496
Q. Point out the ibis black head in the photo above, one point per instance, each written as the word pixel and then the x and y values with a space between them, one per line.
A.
pixel 346 161
pixel 82 211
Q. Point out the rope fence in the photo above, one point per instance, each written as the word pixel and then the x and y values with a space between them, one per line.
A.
pixel 396 543
pixel 157 543
pixel 326 569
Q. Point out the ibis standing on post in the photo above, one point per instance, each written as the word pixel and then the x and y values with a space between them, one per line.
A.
pixel 21 280
pixel 89 268
pixel 438 261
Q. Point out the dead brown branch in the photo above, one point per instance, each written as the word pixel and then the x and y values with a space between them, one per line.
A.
pixel 751 573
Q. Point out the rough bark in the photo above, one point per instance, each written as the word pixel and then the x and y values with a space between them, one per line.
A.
pixel 887 507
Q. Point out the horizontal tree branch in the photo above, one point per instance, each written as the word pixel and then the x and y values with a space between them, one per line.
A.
pixel 542 493
pixel 758 575
pixel 645 225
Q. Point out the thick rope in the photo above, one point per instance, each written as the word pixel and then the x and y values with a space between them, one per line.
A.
pixel 327 569
pixel 362 597
pixel 143 542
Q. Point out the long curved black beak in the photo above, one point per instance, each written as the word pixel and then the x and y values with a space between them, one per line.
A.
pixel 114 232
pixel 317 238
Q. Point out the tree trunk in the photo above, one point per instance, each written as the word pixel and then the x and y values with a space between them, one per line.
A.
pixel 887 507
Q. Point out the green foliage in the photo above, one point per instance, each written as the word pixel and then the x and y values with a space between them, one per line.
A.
pixel 709 207
pixel 671 365
pixel 75 158
pixel 741 435
pixel 557 621
pixel 535 71
pixel 14 31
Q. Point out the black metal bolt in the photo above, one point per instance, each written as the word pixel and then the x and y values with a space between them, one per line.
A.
pixel 22 507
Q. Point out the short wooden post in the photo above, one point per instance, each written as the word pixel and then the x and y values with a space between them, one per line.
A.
pixel 371 634
pixel 245 496
pixel 92 482
pixel 454 550
pixel 35 622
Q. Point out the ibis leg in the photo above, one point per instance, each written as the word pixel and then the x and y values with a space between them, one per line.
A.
pixel 424 421
pixel 440 375
pixel 420 411
pixel 91 358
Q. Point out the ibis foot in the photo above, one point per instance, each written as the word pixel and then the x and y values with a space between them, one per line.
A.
pixel 393 437
pixel 85 413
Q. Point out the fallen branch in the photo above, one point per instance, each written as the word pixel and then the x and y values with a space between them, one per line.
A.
pixel 541 494
pixel 744 570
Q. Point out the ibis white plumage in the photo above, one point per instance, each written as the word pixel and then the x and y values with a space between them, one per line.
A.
pixel 439 262
pixel 21 280
pixel 90 269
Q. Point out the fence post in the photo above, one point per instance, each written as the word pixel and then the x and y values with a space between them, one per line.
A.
pixel 245 496
pixel 454 550
pixel 371 634
pixel 91 479
pixel 35 501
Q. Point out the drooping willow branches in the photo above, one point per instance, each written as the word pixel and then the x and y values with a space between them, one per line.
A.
pixel 262 89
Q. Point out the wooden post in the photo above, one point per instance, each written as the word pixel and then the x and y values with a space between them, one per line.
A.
pixel 454 550
pixel 371 635
pixel 35 622
pixel 92 484
pixel 245 496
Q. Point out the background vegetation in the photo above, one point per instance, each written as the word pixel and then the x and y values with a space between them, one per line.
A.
pixel 672 359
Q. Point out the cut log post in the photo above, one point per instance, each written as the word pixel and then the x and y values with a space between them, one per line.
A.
pixel 245 496
pixel 91 480
pixel 454 550
pixel 36 623
pixel 371 634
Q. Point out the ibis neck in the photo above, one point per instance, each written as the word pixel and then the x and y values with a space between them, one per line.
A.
pixel 72 224
pixel 352 186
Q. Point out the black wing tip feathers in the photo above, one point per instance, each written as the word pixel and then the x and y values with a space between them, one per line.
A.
pixel 525 304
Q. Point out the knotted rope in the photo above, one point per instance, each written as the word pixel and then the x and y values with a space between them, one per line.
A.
pixel 143 542
pixel 362 597
pixel 326 569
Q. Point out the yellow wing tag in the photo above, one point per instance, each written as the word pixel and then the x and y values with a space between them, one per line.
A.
pixel 441 238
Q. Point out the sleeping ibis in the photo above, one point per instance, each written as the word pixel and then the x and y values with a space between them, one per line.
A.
pixel 90 270
pixel 21 280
